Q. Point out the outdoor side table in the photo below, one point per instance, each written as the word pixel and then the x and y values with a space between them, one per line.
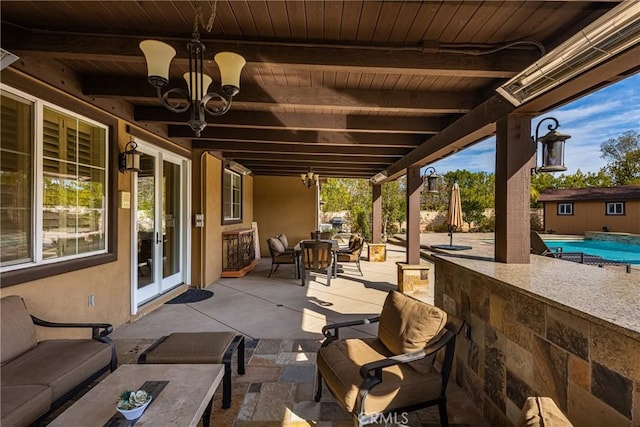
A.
pixel 199 348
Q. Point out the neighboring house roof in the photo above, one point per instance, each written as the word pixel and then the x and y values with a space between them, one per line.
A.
pixel 629 192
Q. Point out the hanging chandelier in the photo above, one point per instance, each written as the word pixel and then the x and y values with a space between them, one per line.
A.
pixel 199 100
pixel 309 179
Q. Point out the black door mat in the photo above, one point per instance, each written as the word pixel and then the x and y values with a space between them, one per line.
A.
pixel 191 295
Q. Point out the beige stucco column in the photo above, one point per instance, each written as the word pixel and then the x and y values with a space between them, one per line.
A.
pixel 515 156
pixel 414 186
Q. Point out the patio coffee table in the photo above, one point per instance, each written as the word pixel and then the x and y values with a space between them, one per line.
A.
pixel 185 399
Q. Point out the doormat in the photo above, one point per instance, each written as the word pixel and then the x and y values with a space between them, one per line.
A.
pixel 191 295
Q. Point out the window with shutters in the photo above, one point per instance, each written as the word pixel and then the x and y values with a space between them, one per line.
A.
pixel 54 205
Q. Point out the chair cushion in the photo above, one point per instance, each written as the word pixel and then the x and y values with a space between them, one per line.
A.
pixel 407 325
pixel 542 412
pixel 340 362
pixel 23 404
pixel 283 239
pixel 62 364
pixel 276 244
pixel 17 330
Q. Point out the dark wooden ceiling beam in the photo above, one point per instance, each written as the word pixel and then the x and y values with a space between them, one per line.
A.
pixel 425 102
pixel 297 137
pixel 320 167
pixel 293 121
pixel 402 60
pixel 472 127
pixel 319 158
pixel 333 174
pixel 275 148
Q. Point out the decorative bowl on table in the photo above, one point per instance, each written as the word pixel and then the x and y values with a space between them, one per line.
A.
pixel 133 403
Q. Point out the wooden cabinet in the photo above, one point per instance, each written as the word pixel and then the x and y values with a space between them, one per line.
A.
pixel 238 252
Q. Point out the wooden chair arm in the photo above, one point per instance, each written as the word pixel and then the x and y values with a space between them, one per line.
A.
pixel 95 327
pixel 335 327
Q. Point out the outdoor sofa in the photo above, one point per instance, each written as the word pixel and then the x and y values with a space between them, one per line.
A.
pixel 38 377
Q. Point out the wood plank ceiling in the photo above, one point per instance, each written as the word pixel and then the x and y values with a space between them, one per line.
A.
pixel 342 88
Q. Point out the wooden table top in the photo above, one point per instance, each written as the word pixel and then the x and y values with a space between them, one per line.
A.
pixel 181 403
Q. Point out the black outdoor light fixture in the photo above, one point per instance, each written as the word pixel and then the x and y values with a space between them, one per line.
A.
pixel 198 99
pixel 552 147
pixel 129 159
pixel 431 180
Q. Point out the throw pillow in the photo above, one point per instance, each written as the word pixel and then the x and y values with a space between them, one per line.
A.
pixel 283 240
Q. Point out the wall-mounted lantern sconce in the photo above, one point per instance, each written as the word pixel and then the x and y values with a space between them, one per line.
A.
pixel 552 148
pixel 129 160
pixel 431 180
pixel 309 179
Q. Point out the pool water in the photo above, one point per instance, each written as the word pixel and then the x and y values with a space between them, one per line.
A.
pixel 614 251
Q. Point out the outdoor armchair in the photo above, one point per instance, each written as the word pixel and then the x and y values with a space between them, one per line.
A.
pixel 352 253
pixel 394 372
pixel 281 255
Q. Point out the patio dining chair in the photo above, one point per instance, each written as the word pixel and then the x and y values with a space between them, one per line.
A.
pixel 316 256
pixel 393 372
pixel 352 253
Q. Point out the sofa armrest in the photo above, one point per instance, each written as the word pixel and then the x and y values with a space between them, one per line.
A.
pixel 95 327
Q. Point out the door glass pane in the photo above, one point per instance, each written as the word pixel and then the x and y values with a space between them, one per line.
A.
pixel 146 220
pixel 16 179
pixel 171 218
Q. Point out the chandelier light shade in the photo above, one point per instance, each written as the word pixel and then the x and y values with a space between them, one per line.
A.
pixel 552 147
pixel 196 98
pixel 431 180
pixel 309 179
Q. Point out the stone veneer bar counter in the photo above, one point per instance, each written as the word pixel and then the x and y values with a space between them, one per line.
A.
pixel 554 328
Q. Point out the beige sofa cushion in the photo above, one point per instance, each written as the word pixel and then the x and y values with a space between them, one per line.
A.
pixel 191 347
pixel 62 364
pixel 542 412
pixel 407 325
pixel 23 404
pixel 17 330
pixel 402 386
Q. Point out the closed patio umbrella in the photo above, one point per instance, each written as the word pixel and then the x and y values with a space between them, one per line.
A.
pixel 454 219
pixel 454 216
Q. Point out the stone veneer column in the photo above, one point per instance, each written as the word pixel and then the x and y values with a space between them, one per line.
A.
pixel 521 346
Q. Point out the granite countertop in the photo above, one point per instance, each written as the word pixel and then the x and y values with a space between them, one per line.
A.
pixel 606 296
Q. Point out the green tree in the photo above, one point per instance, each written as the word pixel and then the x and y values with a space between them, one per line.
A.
pixel 394 205
pixel 623 158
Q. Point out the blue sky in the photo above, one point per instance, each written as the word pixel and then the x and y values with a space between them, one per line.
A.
pixel 590 120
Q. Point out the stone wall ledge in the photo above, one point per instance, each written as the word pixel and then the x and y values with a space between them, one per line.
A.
pixel 606 296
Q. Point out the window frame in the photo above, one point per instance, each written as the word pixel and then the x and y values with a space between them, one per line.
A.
pixel 45 97
pixel 616 203
pixel 231 220
pixel 564 205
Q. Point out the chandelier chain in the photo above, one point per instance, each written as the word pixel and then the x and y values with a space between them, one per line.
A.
pixel 199 17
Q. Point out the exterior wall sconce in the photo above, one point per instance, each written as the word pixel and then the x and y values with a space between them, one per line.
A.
pixel 309 179
pixel 552 148
pixel 197 97
pixel 129 160
pixel 431 180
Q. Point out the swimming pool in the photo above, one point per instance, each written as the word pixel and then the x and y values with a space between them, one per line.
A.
pixel 614 251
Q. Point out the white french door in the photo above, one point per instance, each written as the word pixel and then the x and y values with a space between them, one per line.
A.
pixel 160 216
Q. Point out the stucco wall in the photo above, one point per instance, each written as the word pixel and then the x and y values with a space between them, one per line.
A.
pixel 590 216
pixel 284 205
pixel 64 298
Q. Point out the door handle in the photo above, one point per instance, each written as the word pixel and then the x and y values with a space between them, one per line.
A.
pixel 158 238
